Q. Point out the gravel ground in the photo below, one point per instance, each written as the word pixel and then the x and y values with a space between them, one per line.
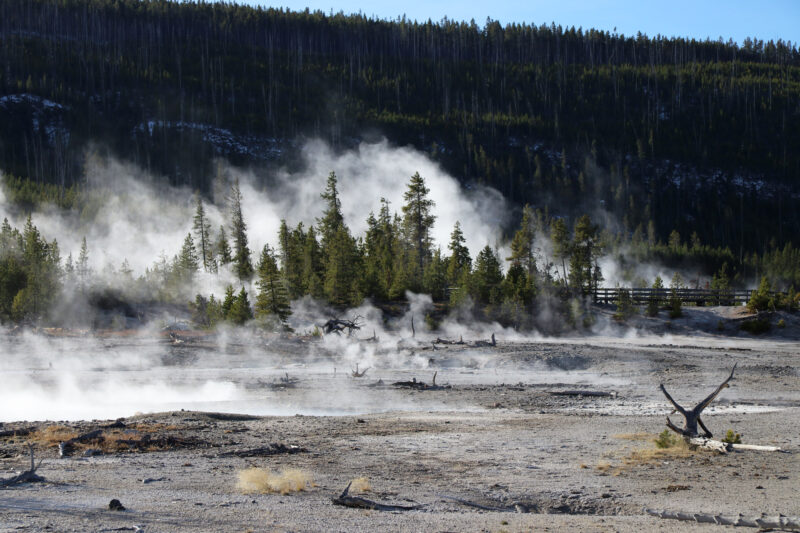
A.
pixel 495 435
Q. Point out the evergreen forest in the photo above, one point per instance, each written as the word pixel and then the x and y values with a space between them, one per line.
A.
pixel 691 145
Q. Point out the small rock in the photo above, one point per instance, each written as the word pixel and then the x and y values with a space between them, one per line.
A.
pixel 115 505
pixel 91 452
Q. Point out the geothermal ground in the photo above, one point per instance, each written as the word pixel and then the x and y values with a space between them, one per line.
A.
pixel 502 443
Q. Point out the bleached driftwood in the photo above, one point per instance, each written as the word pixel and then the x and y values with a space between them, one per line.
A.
pixel 786 523
pixel 725 447
pixel 28 476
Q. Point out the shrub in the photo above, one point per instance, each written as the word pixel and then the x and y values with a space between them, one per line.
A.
pixel 263 481
pixel 761 299
pixel 625 308
pixel 732 438
pixel 755 327
pixel 675 310
pixel 781 323
pixel 667 439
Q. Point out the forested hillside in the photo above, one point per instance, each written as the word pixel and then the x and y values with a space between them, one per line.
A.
pixel 664 133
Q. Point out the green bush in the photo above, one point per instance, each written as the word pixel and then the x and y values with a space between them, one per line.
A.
pixel 755 327
pixel 667 439
pixel 732 438
pixel 761 299
pixel 781 323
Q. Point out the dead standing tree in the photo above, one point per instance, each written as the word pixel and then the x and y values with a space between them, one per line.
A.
pixel 692 417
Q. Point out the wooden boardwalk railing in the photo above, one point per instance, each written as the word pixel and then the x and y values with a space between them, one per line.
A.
pixel 696 296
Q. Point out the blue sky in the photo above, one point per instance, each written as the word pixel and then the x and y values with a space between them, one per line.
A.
pixel 736 19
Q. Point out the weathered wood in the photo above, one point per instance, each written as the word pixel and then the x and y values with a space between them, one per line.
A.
pixel 786 523
pixel 356 374
pixel 357 502
pixel 692 417
pixel 590 393
pixel 336 325
pixel 28 476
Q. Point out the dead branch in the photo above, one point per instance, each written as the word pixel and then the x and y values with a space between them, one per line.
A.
pixel 276 448
pixel 420 385
pixel 786 523
pixel 336 325
pixel 29 476
pixel 692 417
pixel 484 344
pixel 590 393
pixel 356 374
pixel 362 503
pixel 439 340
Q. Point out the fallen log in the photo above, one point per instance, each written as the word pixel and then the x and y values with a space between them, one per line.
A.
pixel 592 393
pixel 439 340
pixel 420 385
pixel 786 523
pixel 28 476
pixel 357 502
pixel 485 344
pixel 264 451
pixel 725 447
pixel 692 417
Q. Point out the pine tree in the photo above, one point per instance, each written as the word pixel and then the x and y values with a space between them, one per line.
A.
pixel 562 246
pixel 82 268
pixel 418 221
pixel 272 301
pixel 584 273
pixel 342 267
pixel 187 263
pixel 332 220
pixel 243 266
pixel 459 260
pixel 202 229
pixel 313 267
pixel 486 277
pixel 223 249
pixel 240 311
pixel 522 243
pixel 227 302
pixel 434 279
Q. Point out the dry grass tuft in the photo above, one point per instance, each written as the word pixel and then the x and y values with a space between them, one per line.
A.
pixel 360 484
pixel 50 436
pixel 602 466
pixel 259 480
pixel 635 436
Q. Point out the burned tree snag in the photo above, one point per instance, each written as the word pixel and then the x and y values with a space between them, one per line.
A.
pixel 29 476
pixel 356 374
pixel 336 325
pixel 692 417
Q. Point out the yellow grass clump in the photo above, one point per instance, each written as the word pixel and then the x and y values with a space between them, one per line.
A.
pixel 52 435
pixel 360 484
pixel 259 480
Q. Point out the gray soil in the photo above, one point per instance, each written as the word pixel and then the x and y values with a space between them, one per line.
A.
pixel 523 457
